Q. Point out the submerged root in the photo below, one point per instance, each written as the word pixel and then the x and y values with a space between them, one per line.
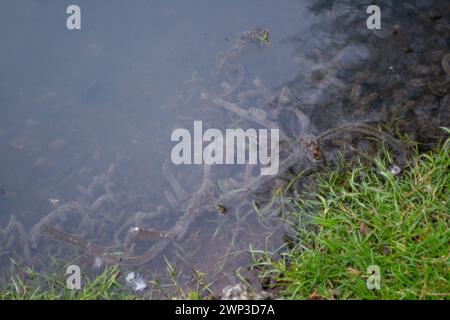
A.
pixel 445 62
pixel 14 240
pixel 180 193
pixel 251 115
pixel 84 245
pixel 62 215
pixel 366 129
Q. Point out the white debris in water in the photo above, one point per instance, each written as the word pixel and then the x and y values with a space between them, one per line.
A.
pixel 241 292
pixel 136 281
pixel 134 231
pixel 140 285
pixel 284 96
pixel 130 277
pixel 53 201
pixel 237 292
pixel 98 262
pixel 257 83
pixel 395 170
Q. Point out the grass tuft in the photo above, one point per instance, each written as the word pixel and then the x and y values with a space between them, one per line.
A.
pixel 367 216
pixel 35 286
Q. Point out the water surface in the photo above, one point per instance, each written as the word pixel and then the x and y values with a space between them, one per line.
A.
pixel 86 118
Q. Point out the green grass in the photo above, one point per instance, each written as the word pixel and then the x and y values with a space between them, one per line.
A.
pixel 27 284
pixel 35 286
pixel 362 216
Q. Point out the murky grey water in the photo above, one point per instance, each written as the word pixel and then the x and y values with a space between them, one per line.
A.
pixel 86 118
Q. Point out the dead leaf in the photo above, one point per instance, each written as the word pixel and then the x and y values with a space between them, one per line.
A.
pixel 354 271
pixel 315 296
pixel 221 209
pixel 362 229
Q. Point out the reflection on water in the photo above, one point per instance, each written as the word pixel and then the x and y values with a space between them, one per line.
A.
pixel 86 120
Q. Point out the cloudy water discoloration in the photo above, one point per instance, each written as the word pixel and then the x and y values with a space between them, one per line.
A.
pixel 86 119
